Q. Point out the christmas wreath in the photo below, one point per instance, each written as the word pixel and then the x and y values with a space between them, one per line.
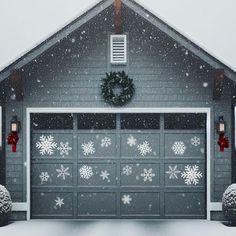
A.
pixel 113 81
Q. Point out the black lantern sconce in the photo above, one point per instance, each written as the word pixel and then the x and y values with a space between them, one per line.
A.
pixel 221 126
pixel 15 125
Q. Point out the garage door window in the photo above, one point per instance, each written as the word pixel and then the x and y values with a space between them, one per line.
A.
pixel 185 121
pixel 51 121
pixel 140 121
pixel 96 121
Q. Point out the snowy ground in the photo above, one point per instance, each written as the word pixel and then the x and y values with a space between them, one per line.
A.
pixel 117 228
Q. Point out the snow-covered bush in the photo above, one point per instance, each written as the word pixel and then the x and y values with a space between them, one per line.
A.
pixel 229 202
pixel 5 200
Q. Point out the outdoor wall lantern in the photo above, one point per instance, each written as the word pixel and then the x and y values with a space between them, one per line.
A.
pixel 13 138
pixel 221 125
pixel 223 141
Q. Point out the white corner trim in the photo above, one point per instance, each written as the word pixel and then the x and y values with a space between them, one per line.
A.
pixel 210 205
pixel 19 206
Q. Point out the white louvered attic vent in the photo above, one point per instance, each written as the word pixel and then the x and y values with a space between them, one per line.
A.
pixel 118 49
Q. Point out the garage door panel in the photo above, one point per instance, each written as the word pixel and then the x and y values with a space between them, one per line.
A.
pixel 185 204
pixel 140 174
pixel 140 145
pixel 52 204
pixel 119 166
pixel 97 174
pixel 52 145
pixel 96 204
pixel 140 204
pixel 46 174
pixel 185 145
pixel 97 145
pixel 190 174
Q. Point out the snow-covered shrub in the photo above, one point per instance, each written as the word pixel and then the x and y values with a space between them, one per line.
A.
pixel 5 200
pixel 229 202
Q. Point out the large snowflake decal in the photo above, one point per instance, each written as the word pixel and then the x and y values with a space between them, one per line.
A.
pixel 178 148
pixel 127 170
pixel 88 148
pixel 131 141
pixel 46 145
pixel 63 172
pixel 64 149
pixel 86 172
pixel 106 142
pixel 195 141
pixel 126 199
pixel 144 148
pixel 173 172
pixel 44 176
pixel 191 175
pixel 147 175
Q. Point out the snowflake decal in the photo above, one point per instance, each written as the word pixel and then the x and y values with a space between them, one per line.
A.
pixel 144 148
pixel 131 141
pixel 147 175
pixel 86 172
pixel 105 175
pixel 64 149
pixel 127 170
pixel 195 141
pixel 44 176
pixel 105 142
pixel 173 172
pixel 46 145
pixel 178 148
pixel 126 199
pixel 88 148
pixel 59 202
pixel 63 172
pixel 191 175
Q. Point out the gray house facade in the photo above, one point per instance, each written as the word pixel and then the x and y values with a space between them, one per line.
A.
pixel 155 157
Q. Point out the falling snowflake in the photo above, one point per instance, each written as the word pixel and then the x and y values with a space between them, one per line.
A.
pixel 59 202
pixel 144 148
pixel 46 145
pixel 195 141
pixel 173 172
pixel 126 199
pixel 131 141
pixel 127 170
pixel 64 149
pixel 191 175
pixel 63 172
pixel 178 148
pixel 105 142
pixel 88 148
pixel 44 176
pixel 104 175
pixel 147 175
pixel 86 172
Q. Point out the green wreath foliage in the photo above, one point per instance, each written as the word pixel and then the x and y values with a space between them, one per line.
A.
pixel 117 79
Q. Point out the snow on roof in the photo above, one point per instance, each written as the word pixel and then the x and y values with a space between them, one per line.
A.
pixel 208 24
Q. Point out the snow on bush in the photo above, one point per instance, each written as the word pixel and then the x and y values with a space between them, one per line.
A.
pixel 229 202
pixel 5 200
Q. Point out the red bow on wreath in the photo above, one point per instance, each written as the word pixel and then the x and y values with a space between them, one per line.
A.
pixel 223 142
pixel 13 140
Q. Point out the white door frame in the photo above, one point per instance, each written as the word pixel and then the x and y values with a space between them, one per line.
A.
pixel 211 206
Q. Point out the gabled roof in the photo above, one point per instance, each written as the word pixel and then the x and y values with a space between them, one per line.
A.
pixel 95 10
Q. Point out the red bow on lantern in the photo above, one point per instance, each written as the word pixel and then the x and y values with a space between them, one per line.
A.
pixel 223 142
pixel 13 140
